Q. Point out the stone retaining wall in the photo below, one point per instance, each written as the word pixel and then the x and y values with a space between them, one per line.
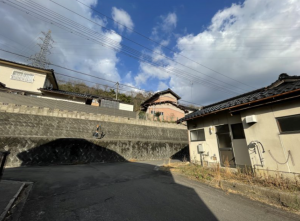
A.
pixel 47 151
pixel 53 112
pixel 15 124
pixel 43 140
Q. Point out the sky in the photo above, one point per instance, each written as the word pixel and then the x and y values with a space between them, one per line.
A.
pixel 205 51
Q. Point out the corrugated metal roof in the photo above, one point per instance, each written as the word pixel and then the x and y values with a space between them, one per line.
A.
pixel 284 84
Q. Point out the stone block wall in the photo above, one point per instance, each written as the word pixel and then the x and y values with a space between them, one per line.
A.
pixel 48 151
pixel 27 125
pixel 42 140
pixel 54 112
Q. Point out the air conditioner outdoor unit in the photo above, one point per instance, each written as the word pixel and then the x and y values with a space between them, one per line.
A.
pixel 251 119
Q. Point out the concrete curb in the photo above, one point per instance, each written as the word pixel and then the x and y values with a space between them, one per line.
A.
pixel 11 202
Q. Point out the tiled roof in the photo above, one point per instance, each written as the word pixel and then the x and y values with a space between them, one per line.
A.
pixel 27 65
pixel 168 102
pixel 188 108
pixel 160 93
pixel 284 84
pixel 2 85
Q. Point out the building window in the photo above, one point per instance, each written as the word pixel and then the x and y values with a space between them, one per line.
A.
pixel 289 124
pixel 20 76
pixel 197 135
pixel 237 131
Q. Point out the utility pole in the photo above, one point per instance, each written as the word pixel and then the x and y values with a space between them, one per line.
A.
pixel 39 59
pixel 117 90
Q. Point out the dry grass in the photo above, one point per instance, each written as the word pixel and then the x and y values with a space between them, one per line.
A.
pixel 215 174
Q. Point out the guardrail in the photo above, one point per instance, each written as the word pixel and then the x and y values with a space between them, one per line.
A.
pixel 3 157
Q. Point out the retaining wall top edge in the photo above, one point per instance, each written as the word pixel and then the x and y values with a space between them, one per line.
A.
pixel 44 111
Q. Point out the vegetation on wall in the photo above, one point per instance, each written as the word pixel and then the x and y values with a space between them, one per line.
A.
pixel 135 98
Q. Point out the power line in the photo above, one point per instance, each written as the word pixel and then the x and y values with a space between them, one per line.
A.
pixel 184 101
pixel 150 39
pixel 218 87
pixel 83 74
pixel 39 59
pixel 87 81
pixel 140 45
pixel 83 80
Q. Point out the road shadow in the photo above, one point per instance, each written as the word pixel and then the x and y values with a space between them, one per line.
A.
pixel 107 191
pixel 68 151
pixel 182 155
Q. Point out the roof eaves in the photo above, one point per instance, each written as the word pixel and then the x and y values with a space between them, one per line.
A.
pixel 26 65
pixel 163 102
pixel 160 93
pixel 2 85
pixel 207 112
pixel 66 93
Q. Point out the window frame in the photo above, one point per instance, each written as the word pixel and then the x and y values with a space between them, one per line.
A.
pixel 197 136
pixel 233 138
pixel 286 132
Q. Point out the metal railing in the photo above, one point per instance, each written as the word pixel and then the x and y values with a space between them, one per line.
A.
pixel 3 157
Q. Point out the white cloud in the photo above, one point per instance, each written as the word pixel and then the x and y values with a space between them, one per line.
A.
pixel 148 71
pixel 122 19
pixel 162 33
pixel 169 22
pixel 164 27
pixel 251 42
pixel 162 86
pixel 20 32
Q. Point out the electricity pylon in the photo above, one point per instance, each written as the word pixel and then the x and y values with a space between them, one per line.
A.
pixel 39 59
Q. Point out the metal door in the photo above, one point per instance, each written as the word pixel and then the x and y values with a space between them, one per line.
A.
pixel 225 146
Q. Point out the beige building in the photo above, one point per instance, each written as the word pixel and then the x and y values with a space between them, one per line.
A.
pixel 38 82
pixel 259 129
pixel 21 78
pixel 166 103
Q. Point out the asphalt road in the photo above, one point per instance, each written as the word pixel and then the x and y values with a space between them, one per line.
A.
pixel 130 191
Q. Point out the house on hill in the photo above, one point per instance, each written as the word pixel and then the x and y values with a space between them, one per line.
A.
pixel 37 82
pixel 25 79
pixel 166 103
pixel 259 129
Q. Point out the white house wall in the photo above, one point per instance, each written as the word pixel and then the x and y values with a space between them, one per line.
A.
pixel 127 107
pixel 5 77
pixel 267 132
pixel 240 148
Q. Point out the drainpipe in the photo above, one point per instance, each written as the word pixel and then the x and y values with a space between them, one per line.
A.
pixel 201 159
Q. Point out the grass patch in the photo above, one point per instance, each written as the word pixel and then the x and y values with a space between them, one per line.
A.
pixel 217 173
